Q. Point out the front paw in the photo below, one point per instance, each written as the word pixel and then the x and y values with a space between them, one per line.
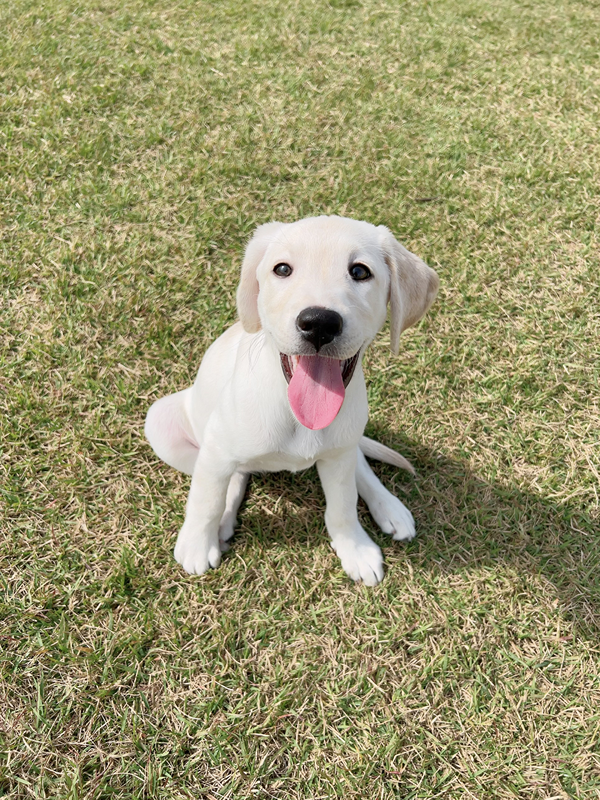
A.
pixel 361 558
pixel 195 551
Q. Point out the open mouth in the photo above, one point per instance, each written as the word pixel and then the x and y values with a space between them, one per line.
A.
pixel 289 364
pixel 316 387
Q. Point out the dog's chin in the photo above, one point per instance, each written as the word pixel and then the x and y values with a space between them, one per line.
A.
pixel 347 366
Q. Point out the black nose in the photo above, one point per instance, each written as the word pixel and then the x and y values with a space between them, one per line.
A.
pixel 319 326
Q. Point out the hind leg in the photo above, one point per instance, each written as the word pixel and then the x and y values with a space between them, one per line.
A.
pixel 389 513
pixel 169 431
pixel 235 495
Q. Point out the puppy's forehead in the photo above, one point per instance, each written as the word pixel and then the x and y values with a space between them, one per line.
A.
pixel 327 240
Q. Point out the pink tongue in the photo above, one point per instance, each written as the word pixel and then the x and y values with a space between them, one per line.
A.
pixel 316 391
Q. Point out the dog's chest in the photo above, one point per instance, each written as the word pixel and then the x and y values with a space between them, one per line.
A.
pixel 297 450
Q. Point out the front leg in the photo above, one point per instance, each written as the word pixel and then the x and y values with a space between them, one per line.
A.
pixel 360 556
pixel 197 547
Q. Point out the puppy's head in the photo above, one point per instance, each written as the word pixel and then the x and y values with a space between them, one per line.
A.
pixel 320 288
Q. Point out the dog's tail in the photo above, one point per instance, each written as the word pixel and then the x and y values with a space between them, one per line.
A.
pixel 386 454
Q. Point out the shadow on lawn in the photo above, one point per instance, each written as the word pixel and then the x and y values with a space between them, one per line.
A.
pixel 466 522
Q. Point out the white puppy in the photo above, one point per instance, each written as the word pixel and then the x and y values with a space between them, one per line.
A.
pixel 284 387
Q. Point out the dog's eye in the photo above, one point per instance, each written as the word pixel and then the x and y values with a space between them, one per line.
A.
pixel 358 272
pixel 283 270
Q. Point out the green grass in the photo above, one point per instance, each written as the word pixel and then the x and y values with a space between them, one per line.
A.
pixel 140 143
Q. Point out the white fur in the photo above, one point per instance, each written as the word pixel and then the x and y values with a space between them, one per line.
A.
pixel 236 418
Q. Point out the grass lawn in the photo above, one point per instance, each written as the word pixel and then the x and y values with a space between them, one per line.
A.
pixel 140 143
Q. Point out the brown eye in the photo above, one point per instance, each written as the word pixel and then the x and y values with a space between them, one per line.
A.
pixel 283 270
pixel 358 272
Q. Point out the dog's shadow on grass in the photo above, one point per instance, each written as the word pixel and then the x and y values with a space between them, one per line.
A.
pixel 464 522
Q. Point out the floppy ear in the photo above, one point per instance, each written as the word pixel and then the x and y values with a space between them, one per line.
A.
pixel 247 292
pixel 413 286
